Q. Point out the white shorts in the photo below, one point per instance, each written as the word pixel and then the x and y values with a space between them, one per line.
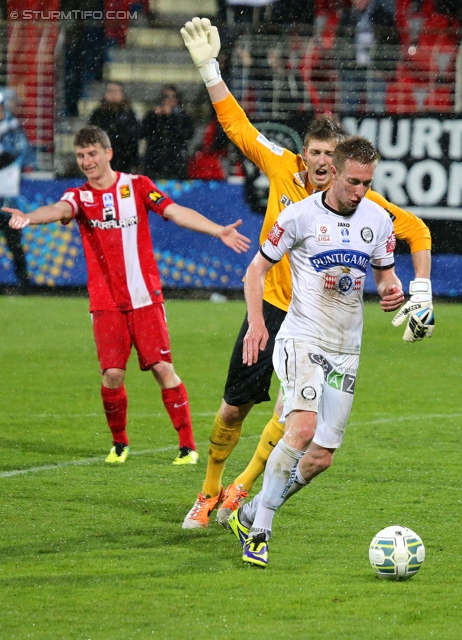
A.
pixel 313 379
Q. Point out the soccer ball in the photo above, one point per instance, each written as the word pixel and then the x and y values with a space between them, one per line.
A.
pixel 396 553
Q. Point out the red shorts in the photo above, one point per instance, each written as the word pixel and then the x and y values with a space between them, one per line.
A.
pixel 116 331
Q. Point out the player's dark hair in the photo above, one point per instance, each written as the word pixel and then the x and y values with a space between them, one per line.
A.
pixel 91 135
pixel 357 149
pixel 324 128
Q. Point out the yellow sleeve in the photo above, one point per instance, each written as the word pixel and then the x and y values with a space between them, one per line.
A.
pixel 265 154
pixel 407 226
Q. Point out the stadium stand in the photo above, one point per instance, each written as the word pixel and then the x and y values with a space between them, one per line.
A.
pixel 276 71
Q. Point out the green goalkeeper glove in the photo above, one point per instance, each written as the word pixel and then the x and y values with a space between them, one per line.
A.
pixel 418 310
pixel 203 43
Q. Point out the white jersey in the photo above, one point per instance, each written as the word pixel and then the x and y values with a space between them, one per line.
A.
pixel 329 255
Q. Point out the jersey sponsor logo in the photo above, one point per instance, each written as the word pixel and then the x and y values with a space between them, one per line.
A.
pixel 109 213
pixel 114 224
pixel 86 196
pixel 108 200
pixel 275 234
pixel 68 196
pixel 274 148
pixel 391 243
pixel 340 257
pixel 156 197
pixel 345 234
pixel 285 200
pixel 367 235
pixel 341 381
pixel 323 234
pixel 124 191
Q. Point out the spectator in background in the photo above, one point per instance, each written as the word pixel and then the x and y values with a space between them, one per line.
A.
pixel 285 90
pixel 293 12
pixel 84 49
pixel 14 153
pixel 115 116
pixel 451 8
pixel 208 161
pixel 167 129
pixel 244 77
pixel 365 53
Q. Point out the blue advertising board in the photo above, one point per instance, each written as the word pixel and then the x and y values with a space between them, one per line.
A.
pixel 186 260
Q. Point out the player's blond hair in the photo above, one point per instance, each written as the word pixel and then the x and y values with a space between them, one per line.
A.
pixel 357 149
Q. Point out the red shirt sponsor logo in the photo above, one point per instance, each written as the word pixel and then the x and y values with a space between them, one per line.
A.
pixel 275 234
pixel 391 243
pixel 156 197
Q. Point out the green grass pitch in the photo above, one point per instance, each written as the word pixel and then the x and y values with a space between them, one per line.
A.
pixel 94 552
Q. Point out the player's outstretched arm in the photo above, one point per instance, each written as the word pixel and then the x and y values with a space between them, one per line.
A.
pixel 203 43
pixel 43 215
pixel 256 338
pixel 195 221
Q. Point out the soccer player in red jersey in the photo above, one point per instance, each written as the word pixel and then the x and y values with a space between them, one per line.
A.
pixel 126 301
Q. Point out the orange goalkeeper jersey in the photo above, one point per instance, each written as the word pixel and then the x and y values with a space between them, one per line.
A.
pixel 284 170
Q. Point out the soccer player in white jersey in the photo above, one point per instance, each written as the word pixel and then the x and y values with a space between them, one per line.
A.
pixel 126 302
pixel 331 237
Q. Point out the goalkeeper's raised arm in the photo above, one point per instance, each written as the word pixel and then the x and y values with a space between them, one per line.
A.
pixel 203 43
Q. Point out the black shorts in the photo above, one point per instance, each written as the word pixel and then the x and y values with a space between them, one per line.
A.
pixel 251 384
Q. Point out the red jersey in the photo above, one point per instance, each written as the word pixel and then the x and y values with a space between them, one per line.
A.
pixel 113 223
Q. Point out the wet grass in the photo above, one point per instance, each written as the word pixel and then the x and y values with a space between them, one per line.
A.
pixel 91 552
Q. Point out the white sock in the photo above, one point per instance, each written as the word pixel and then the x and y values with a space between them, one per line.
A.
pixel 248 511
pixel 279 477
pixel 298 483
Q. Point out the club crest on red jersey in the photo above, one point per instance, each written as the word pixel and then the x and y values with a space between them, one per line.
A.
pixel 275 234
pixel 124 191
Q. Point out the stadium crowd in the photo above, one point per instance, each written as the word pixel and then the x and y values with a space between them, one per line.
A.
pixel 327 56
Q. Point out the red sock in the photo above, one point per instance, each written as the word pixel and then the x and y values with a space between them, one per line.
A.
pixel 115 407
pixel 176 402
